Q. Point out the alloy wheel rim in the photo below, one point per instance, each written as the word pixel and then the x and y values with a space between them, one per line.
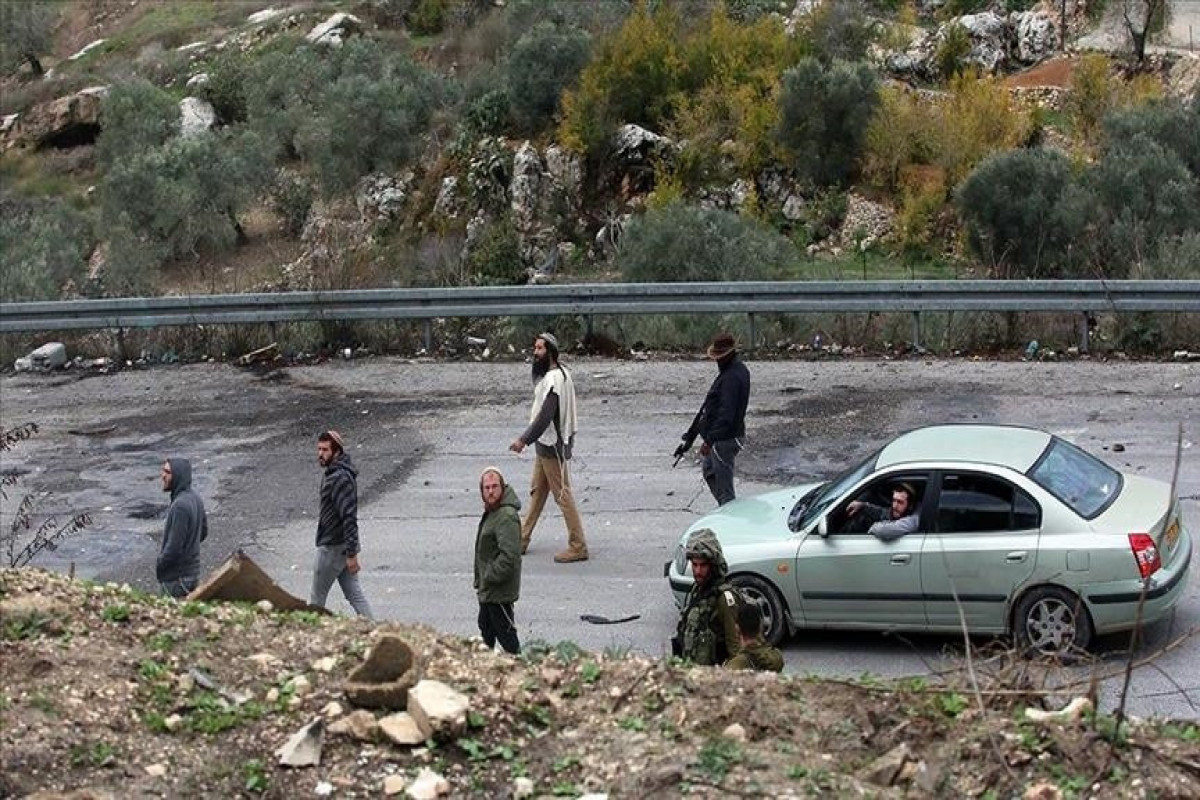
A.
pixel 1050 626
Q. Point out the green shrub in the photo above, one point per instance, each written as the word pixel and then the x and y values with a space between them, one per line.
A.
pixel 496 259
pixel 26 33
pixel 1011 207
pixel 369 115
pixel 750 10
pixel 44 246
pixel 292 198
pixel 138 116
pixel 824 115
pixel 281 89
pixel 952 51
pixel 488 114
pixel 1092 93
pixel 839 31
pixel 226 87
pixel 634 77
pixel 544 62
pixel 682 242
pixel 1147 194
pixel 975 119
pixel 1177 258
pixel 184 196
pixel 1172 123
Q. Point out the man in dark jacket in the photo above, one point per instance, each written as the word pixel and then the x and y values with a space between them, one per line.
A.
pixel 721 421
pixel 337 527
pixel 498 561
pixel 708 631
pixel 178 567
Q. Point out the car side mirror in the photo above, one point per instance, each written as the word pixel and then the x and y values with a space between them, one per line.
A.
pixel 823 527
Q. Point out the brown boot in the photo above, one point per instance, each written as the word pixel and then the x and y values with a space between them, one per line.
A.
pixel 524 546
pixel 570 556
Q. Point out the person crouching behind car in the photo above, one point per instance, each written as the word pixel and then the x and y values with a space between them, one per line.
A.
pixel 708 633
pixel 756 653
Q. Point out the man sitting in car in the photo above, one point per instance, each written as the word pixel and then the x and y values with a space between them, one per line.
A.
pixel 886 523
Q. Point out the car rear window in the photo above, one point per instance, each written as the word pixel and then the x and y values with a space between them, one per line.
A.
pixel 1079 479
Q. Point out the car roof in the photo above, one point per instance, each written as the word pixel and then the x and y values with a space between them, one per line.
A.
pixel 1004 445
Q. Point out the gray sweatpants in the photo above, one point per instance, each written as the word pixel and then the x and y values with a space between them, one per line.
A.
pixel 330 565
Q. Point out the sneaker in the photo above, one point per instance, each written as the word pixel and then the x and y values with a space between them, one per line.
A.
pixel 570 556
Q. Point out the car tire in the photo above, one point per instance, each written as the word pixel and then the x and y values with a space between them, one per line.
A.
pixel 769 601
pixel 1050 621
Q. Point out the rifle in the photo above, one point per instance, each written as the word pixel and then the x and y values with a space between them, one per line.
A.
pixel 689 437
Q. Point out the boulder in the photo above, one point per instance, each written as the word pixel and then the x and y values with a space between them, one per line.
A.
pixel 428 785
pixel 64 122
pixel 266 15
pixel 381 196
pixel 437 708
pixel 333 31
pixel 989 33
pixel 634 145
pixel 402 729
pixel 1036 35
pixel 196 117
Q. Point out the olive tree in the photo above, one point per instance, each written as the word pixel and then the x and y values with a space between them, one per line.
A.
pixel 26 33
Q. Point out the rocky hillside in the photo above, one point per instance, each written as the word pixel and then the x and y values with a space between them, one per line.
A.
pixel 171 145
pixel 109 693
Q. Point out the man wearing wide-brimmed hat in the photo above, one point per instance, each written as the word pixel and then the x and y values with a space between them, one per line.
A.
pixel 721 421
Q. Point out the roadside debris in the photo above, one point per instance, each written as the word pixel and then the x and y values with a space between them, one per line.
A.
pixel 52 355
pixel 262 355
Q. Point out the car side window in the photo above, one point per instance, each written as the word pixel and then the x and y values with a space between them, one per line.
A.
pixel 970 502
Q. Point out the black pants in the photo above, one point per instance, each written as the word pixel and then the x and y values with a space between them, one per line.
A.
pixel 497 624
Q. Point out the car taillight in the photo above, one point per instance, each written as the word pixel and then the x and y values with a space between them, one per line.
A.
pixel 1145 553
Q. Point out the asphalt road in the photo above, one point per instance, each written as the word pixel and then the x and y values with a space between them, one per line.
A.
pixel 421 432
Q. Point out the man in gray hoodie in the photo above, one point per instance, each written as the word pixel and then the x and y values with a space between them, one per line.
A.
pixel 337 527
pixel 178 567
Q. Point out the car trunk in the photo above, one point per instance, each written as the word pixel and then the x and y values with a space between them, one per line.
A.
pixel 1145 506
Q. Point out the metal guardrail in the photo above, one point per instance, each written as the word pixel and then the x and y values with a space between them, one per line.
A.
pixel 612 299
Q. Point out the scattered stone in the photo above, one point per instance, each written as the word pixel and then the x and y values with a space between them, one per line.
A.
pixel 884 770
pixel 393 784
pixel 401 728
pixel 265 606
pixel 428 785
pixel 1042 791
pixel 522 788
pixel 156 770
pixel 437 708
pixel 197 80
pixel 332 710
pixel 735 732
pixel 323 789
pixel 359 724
pixel 173 722
pixel 1118 448
pixel 1070 713
pixel 303 749
pixel 264 661
pixel 325 664
pixel 300 685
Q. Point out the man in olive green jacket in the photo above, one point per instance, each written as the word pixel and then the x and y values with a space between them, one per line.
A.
pixel 707 633
pixel 756 653
pixel 498 561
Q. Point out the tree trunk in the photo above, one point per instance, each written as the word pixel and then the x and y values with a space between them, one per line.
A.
pixel 35 64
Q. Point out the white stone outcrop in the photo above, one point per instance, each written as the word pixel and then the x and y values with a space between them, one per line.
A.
pixel 333 31
pixel 437 708
pixel 196 116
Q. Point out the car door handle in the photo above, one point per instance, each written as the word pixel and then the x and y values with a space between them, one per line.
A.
pixel 1016 557
pixel 901 558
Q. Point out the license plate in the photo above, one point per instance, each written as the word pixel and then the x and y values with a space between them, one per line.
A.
pixel 1172 535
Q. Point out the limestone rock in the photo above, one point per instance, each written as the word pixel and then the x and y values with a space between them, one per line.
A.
pixel 61 122
pixel 303 749
pixel 437 708
pixel 87 48
pixel 359 724
pixel 393 784
pixel 381 196
pixel 402 729
pixel 1036 35
pixel 865 223
pixel 449 201
pixel 333 31
pixel 736 732
pixel 196 116
pixel 522 788
pixel 428 785
pixel 884 770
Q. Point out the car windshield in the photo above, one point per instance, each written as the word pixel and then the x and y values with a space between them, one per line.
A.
pixel 813 504
pixel 1079 479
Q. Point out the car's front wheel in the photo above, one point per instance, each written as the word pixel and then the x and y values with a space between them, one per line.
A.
pixel 1050 621
pixel 769 602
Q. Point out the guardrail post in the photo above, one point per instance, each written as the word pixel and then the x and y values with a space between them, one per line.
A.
pixel 1085 332
pixel 916 330
pixel 750 343
pixel 427 330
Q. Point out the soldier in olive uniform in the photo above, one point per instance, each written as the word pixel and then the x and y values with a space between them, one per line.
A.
pixel 756 653
pixel 707 633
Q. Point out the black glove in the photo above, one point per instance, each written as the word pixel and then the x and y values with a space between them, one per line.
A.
pixel 683 448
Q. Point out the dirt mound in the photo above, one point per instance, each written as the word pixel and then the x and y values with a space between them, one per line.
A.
pixel 1055 72
pixel 119 694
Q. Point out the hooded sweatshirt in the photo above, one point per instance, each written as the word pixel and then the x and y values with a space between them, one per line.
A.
pixel 498 552
pixel 338 523
pixel 186 528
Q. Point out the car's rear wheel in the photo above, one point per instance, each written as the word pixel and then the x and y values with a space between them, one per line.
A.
pixel 1050 621
pixel 769 602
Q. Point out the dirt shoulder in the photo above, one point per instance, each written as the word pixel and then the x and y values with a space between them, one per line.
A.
pixel 92 673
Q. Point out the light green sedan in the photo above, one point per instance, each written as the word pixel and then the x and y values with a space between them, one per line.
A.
pixel 1010 530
